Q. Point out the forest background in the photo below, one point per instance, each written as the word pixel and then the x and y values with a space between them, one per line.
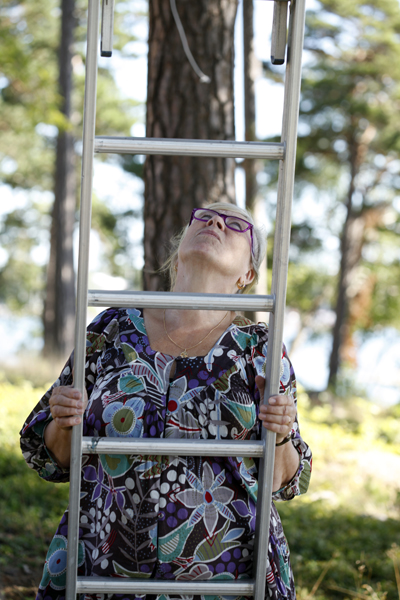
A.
pixel 345 256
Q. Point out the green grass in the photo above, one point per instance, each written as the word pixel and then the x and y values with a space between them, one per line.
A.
pixel 344 534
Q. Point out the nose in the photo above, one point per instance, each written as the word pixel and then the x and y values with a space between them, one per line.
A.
pixel 218 221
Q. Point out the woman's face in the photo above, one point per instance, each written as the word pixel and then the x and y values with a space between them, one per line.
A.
pixel 212 244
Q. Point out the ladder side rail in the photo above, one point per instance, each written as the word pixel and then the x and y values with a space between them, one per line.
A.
pixel 82 289
pixel 279 280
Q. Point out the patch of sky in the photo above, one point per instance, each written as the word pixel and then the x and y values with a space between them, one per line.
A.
pixel 46 130
pixel 378 369
pixel 3 257
pixel 122 192
pixel 16 199
pixel 14 13
pixel 18 331
pixel 8 165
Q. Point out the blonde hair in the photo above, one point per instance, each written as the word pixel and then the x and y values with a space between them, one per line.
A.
pixel 259 245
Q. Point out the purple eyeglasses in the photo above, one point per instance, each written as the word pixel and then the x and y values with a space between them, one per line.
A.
pixel 231 221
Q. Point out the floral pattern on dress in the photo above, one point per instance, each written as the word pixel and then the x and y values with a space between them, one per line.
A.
pixel 168 517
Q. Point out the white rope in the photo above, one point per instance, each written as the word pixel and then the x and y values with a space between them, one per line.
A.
pixel 203 78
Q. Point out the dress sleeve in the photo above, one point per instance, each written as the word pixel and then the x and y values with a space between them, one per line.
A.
pixel 33 447
pixel 287 385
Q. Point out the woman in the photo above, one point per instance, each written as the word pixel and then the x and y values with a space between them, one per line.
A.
pixel 182 374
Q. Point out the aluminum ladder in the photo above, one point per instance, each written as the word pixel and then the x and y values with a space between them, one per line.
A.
pixel 285 152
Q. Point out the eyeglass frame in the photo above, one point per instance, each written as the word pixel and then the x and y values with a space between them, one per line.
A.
pixel 224 217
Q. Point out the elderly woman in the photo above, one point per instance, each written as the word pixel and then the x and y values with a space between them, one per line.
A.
pixel 183 374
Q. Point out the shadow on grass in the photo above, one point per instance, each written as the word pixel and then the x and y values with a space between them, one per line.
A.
pixel 351 548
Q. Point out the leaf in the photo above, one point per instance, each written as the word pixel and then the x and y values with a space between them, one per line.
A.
pixel 222 384
pixel 130 384
pixel 138 322
pixel 241 507
pixel 212 548
pixel 142 369
pixel 90 473
pixel 96 492
pixel 233 534
pixel 120 570
pixel 129 352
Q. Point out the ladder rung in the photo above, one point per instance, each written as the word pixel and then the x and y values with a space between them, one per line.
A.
pixel 226 149
pixel 123 585
pixel 178 447
pixel 128 299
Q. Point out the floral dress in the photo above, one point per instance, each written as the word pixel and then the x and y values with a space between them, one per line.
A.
pixel 167 517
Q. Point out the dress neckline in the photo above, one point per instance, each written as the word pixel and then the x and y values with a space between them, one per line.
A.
pixel 236 321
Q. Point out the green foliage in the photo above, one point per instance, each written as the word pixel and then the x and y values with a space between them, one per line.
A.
pixel 30 119
pixel 349 136
pixel 22 278
pixel 29 508
pixel 113 229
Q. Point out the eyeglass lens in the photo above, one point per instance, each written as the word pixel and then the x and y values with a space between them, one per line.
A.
pixel 233 222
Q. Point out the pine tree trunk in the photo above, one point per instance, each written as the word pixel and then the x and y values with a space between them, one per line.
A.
pixel 59 310
pixel 351 245
pixel 350 251
pixel 179 105
pixel 249 164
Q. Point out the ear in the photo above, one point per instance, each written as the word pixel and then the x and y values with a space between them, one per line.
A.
pixel 248 278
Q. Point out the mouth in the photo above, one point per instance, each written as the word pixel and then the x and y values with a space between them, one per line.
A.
pixel 210 232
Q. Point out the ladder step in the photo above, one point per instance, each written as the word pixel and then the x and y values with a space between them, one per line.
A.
pixel 128 299
pixel 124 585
pixel 176 447
pixel 177 147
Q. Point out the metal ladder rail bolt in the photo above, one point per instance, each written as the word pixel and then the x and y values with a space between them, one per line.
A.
pixel 285 190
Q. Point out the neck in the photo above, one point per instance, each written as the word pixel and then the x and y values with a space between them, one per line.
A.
pixel 203 281
pixel 200 282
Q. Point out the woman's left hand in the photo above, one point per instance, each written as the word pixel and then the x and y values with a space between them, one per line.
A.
pixel 279 414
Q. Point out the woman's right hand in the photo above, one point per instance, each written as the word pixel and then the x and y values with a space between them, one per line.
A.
pixel 67 406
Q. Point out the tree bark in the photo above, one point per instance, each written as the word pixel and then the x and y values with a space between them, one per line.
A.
pixel 59 309
pixel 350 249
pixel 249 165
pixel 179 105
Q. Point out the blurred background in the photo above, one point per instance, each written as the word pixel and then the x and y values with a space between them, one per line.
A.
pixel 342 323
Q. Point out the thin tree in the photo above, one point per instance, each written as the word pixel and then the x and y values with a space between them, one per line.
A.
pixel 59 309
pixel 181 103
pixel 249 165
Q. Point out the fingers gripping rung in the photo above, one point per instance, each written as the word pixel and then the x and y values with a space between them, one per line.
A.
pixel 221 302
pixel 107 28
